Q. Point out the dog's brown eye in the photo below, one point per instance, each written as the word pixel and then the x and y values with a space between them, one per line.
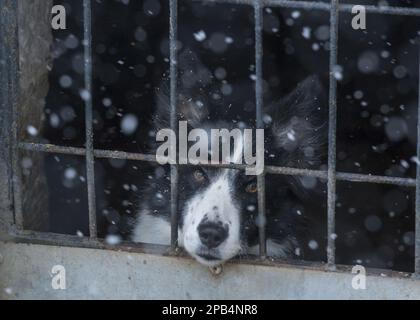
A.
pixel 199 176
pixel 252 187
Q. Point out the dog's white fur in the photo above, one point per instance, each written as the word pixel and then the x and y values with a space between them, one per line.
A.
pixel 215 204
pixel 152 229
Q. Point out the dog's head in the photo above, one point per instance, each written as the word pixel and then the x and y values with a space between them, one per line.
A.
pixel 218 207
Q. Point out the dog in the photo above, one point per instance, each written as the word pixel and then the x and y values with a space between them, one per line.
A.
pixel 218 215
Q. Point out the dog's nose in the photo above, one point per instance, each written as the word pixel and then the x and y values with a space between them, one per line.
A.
pixel 212 234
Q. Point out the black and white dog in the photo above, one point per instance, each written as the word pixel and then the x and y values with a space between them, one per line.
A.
pixel 218 216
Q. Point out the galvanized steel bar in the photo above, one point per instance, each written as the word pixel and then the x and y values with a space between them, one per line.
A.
pixel 275 170
pixel 9 61
pixel 173 35
pixel 332 134
pixel 417 201
pixel 7 37
pixel 258 24
pixel 88 97
pixel 324 6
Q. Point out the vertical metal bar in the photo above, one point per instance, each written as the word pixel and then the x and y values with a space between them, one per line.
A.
pixel 258 8
pixel 87 96
pixel 9 60
pixel 173 34
pixel 332 145
pixel 417 204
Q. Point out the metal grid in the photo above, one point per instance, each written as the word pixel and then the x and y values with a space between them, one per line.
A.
pixel 331 174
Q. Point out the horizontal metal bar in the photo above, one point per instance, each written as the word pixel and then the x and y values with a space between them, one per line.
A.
pixel 104 154
pixel 48 238
pixel 112 154
pixel 357 177
pixel 314 5
pixel 389 10
pixel 276 3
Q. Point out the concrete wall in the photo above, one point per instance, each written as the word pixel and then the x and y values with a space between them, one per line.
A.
pixel 25 273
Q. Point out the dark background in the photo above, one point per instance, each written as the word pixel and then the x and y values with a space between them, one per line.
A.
pixel 377 105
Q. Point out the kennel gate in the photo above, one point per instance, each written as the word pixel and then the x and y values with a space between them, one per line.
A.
pixel 11 214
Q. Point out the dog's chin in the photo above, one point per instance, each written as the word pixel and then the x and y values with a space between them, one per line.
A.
pixel 210 259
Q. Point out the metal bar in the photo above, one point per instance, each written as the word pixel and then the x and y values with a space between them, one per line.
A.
pixel 10 45
pixel 277 3
pixel 356 177
pixel 173 34
pixel 314 5
pixel 7 34
pixel 389 10
pixel 258 11
pixel 101 154
pixel 87 97
pixel 332 133
pixel 112 154
pixel 48 238
pixel 417 203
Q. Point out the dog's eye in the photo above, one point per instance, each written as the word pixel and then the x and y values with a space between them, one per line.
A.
pixel 252 187
pixel 199 176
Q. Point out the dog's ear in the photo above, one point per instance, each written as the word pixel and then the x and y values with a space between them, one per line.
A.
pixel 299 125
pixel 192 72
pixel 193 77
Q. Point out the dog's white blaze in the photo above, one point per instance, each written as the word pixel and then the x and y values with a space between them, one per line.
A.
pixel 216 204
pixel 150 229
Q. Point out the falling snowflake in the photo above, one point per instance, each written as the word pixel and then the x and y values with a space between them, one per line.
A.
pixel 200 36
pixel 32 131
pixel 113 240
pixel 129 124
pixel 70 173
pixel 306 32
pixel 313 245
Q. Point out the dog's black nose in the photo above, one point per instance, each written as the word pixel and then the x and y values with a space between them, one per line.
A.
pixel 212 234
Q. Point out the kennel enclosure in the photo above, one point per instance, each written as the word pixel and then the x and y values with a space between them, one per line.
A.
pixel 23 84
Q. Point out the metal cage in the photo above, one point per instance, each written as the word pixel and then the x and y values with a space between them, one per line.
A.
pixel 12 217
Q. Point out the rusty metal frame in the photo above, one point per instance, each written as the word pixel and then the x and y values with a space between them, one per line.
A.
pixel 9 53
pixel 8 116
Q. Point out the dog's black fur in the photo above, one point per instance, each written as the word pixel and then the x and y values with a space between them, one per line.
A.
pixel 295 135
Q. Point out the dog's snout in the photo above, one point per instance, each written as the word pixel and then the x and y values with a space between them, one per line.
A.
pixel 212 234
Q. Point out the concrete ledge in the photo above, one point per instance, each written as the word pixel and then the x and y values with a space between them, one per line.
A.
pixel 25 273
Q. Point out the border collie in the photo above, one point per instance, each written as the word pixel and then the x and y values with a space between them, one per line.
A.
pixel 218 215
